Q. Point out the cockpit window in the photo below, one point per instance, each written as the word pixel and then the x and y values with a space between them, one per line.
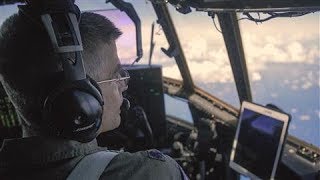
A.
pixel 283 65
pixel 126 43
pixel 86 5
pixel 206 54
pixel 6 11
pixel 148 17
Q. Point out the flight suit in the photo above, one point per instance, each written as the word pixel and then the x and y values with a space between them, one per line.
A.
pixel 50 158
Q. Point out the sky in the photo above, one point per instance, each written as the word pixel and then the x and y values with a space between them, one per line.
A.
pixel 282 56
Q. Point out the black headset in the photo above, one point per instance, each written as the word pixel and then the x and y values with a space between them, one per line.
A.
pixel 74 108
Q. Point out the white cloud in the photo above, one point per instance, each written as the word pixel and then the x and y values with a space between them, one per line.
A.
pixel 307 85
pixel 211 71
pixel 302 80
pixel 294 87
pixel 286 81
pixel 293 127
pixel 294 110
pixel 256 76
pixel 172 71
pixel 278 50
pixel 297 53
pixel 305 118
pixel 263 44
pixel 197 48
pixel 274 95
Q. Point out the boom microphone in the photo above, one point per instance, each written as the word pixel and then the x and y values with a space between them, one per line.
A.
pixel 125 104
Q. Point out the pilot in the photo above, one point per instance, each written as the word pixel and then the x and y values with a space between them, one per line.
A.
pixel 26 64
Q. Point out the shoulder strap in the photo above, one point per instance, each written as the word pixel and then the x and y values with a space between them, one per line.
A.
pixel 92 166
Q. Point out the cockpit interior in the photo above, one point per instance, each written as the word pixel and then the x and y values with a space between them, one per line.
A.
pixel 172 109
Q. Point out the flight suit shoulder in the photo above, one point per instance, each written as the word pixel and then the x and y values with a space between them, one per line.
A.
pixel 150 164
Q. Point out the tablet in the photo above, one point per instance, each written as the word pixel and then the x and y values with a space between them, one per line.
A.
pixel 259 141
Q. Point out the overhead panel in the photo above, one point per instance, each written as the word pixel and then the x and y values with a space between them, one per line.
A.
pixel 254 4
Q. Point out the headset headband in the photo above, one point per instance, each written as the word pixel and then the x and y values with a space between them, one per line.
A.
pixel 74 109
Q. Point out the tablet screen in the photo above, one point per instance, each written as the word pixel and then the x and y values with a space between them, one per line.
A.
pixel 258 143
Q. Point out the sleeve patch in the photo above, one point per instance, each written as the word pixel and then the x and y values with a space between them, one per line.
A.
pixel 155 154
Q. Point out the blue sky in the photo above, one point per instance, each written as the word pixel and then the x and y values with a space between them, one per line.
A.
pixel 282 58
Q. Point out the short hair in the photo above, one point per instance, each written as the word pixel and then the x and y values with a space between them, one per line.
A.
pixel 27 60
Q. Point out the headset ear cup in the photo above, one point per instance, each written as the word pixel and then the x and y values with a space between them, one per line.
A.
pixel 95 84
pixel 47 106
pixel 86 89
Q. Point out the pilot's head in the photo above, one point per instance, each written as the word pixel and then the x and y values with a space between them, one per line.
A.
pixel 27 65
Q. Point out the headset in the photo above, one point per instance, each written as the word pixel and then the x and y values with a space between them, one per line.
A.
pixel 73 109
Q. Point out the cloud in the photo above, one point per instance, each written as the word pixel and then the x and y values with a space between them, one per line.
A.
pixel 172 71
pixel 297 52
pixel 294 110
pixel 306 85
pixel 265 44
pixel 293 127
pixel 262 51
pixel 305 117
pixel 294 87
pixel 197 49
pixel 211 71
pixel 256 76
pixel 274 95
pixel 302 77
